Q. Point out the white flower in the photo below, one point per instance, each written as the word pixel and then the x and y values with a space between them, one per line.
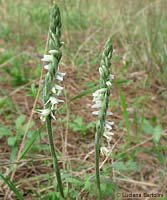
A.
pixel 109 113
pixel 105 151
pixel 101 71
pixel 60 75
pixel 111 77
pixel 99 92
pixel 44 113
pixel 98 112
pixel 47 67
pixel 97 98
pixel 62 43
pixel 54 51
pixel 57 89
pixel 108 135
pixel 47 58
pixel 52 115
pixel 95 112
pixel 108 83
pixel 97 104
pixel 108 125
pixel 54 101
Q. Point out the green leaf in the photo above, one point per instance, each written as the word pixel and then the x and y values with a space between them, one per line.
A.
pixel 147 127
pixel 12 141
pixel 132 166
pixel 107 187
pixel 19 121
pixel 88 184
pixel 125 166
pixel 4 131
pixel 157 132
pixel 74 181
pixel 13 153
pixel 120 166
pixel 12 187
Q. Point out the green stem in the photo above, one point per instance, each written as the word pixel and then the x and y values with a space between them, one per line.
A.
pixel 97 155
pixel 55 161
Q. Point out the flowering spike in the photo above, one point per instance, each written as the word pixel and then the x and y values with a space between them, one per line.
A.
pixel 50 89
pixel 101 99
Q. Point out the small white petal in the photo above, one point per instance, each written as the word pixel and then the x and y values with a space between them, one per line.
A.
pixel 101 71
pixel 96 105
pixel 111 123
pixel 95 112
pixel 109 113
pixel 44 113
pixel 57 89
pixel 47 67
pixel 108 125
pixel 54 100
pixel 54 51
pixel 96 99
pixel 47 58
pixel 108 135
pixel 108 83
pixel 99 91
pixel 111 76
pixel 43 118
pixel 104 151
pixel 59 78
pixel 53 90
pixel 60 75
pixel 52 115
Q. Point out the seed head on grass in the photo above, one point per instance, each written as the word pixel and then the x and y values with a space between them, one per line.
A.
pixel 101 99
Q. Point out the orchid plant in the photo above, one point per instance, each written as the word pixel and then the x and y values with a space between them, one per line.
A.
pixel 52 88
pixel 101 100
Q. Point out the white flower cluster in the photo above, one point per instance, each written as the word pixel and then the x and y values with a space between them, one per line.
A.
pixel 98 99
pixel 56 90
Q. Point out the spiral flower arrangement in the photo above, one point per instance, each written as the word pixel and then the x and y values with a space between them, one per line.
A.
pixel 101 100
pixel 51 88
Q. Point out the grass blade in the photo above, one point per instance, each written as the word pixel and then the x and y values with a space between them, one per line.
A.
pixel 125 112
pixel 12 187
pixel 29 144
pixel 85 92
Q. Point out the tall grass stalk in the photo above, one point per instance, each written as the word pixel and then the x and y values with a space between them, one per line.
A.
pixel 125 113
pixel 52 90
pixel 101 99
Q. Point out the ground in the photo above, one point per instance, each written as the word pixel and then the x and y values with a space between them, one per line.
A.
pixel 137 164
